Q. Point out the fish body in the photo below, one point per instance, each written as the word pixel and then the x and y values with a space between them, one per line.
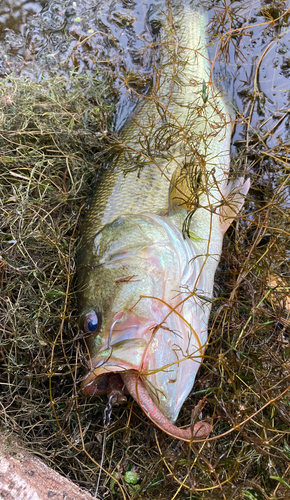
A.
pixel 153 235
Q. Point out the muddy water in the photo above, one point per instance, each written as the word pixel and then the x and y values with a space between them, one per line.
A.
pixel 44 38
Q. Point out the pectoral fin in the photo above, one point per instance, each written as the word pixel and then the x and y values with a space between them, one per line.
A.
pixel 234 197
pixel 185 186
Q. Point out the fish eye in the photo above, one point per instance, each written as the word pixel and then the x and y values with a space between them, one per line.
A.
pixel 91 322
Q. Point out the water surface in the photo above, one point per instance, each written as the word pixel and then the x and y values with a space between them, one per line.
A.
pixel 44 38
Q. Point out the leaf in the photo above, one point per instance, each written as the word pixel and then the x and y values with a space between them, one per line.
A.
pixel 286 450
pixel 71 124
pixel 204 92
pixel 131 477
pixel 195 237
pixel 206 299
pixel 281 480
pixel 253 495
pixel 248 494
pixel 112 482
pixel 54 294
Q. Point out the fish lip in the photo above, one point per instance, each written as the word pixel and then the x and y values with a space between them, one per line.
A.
pixel 136 344
pixel 107 360
pixel 124 341
pixel 123 348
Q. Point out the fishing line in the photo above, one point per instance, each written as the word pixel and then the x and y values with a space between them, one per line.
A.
pixel 106 422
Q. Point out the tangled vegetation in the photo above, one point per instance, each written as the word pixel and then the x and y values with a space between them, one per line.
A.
pixel 54 135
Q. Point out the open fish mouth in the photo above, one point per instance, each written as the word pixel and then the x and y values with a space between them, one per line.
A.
pixel 124 355
pixel 122 349
pixel 116 371
pixel 162 329
pixel 154 354
pixel 115 386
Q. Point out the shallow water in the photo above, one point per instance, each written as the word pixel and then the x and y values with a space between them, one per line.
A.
pixel 40 39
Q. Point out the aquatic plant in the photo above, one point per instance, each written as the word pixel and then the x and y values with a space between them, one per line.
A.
pixel 54 135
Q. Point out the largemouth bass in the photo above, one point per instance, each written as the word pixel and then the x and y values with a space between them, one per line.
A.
pixel 153 235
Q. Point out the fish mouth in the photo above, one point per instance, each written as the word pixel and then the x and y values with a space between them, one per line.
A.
pixel 120 357
pixel 123 349
pixel 153 353
pixel 115 385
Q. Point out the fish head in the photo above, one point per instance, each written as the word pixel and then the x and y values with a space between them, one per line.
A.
pixel 137 306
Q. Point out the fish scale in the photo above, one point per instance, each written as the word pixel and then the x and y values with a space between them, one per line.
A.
pixel 146 188
pixel 153 235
